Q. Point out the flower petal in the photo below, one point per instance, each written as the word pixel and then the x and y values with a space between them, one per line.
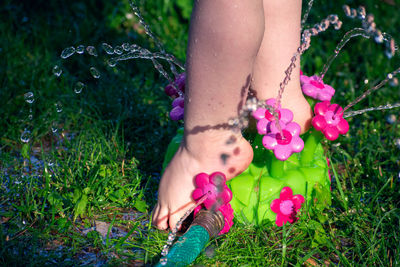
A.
pixel 331 133
pixel 304 79
pixel 176 113
pixel 321 107
pixel 281 219
pixel 283 152
pixel 259 113
pixel 293 128
pixel 226 195
pixel 297 201
pixel 269 142
pixel 275 204
pixel 201 179
pixel 218 179
pixel 197 194
pixel 271 102
pixel 286 115
pixel 343 126
pixel 319 122
pixel 297 144
pixel 286 193
pixel 262 126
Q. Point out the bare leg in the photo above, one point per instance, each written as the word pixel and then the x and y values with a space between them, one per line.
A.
pixel 224 39
pixel 280 42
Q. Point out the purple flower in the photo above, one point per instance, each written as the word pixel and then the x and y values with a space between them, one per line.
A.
pixel 264 117
pixel 314 87
pixel 177 111
pixel 284 143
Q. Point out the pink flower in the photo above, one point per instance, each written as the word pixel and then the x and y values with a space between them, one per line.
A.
pixel 329 120
pixel 264 117
pixel 284 146
pixel 214 187
pixel 286 206
pixel 177 109
pixel 315 88
pixel 171 90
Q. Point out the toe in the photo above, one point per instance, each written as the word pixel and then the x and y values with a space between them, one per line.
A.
pixel 160 218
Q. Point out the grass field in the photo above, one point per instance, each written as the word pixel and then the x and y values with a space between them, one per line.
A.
pixel 89 162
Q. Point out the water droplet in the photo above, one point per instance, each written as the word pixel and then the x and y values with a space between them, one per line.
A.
pixel 67 52
pixel 126 46
pixel 118 50
pixel 391 118
pixel 25 136
pixel 394 82
pixel 397 143
pixel 29 97
pixel 95 73
pixel 108 48
pixel 54 128
pixel 112 62
pixel 57 71
pixel 91 50
pixel 80 49
pixel 59 107
pixel 79 87
pixel 347 10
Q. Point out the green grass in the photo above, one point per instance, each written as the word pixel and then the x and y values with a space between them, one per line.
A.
pixel 99 165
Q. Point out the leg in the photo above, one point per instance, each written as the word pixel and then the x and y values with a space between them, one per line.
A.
pixel 280 42
pixel 224 38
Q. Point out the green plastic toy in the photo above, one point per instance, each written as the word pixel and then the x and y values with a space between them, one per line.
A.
pixel 306 173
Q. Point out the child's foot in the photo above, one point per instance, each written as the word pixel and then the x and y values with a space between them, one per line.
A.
pixel 209 151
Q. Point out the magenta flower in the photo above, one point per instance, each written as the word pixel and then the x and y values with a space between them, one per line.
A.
pixel 177 109
pixel 264 117
pixel 214 187
pixel 172 91
pixel 314 87
pixel 285 144
pixel 329 120
pixel 286 206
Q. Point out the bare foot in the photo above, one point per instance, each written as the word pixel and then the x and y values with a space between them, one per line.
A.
pixel 209 151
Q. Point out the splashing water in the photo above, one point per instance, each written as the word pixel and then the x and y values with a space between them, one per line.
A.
pixel 29 97
pixel 372 89
pixel 346 38
pixel 305 16
pixel 91 51
pixel 67 52
pixel 80 49
pixel 79 87
pixel 25 136
pixel 57 71
pixel 59 107
pixel 95 73
pixel 381 107
pixel 369 25
pixel 108 48
pixel 118 50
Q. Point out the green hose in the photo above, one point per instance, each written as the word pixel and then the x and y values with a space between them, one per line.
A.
pixel 206 225
pixel 187 248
